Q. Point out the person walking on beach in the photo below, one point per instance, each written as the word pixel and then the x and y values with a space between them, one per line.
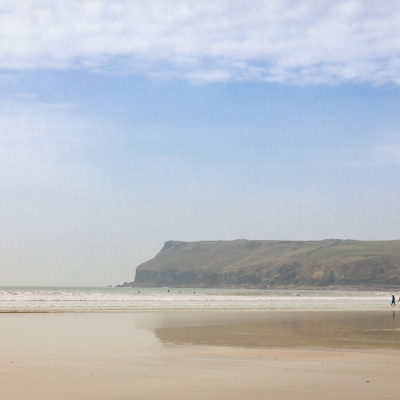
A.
pixel 393 300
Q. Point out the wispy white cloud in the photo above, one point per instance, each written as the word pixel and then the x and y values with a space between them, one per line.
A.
pixel 305 42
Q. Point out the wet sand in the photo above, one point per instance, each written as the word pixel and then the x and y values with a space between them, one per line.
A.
pixel 200 355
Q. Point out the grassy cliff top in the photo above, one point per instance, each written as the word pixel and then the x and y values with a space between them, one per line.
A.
pixel 220 256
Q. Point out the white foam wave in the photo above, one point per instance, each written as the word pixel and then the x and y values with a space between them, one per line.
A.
pixel 162 299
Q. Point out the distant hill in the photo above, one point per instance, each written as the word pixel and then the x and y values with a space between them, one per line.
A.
pixel 328 263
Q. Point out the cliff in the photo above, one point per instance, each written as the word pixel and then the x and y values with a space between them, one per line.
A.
pixel 328 263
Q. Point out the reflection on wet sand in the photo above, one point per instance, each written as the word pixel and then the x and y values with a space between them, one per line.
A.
pixel 334 330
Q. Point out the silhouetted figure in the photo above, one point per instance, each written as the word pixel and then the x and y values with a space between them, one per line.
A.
pixel 393 300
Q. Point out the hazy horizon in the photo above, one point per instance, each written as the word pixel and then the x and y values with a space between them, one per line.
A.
pixel 128 124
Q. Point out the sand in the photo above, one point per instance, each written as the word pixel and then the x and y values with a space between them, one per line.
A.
pixel 200 355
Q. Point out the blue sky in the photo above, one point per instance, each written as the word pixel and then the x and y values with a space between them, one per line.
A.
pixel 125 125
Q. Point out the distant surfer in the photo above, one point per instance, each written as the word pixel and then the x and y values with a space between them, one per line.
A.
pixel 393 300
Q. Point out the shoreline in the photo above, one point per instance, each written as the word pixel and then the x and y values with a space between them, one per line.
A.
pixel 76 300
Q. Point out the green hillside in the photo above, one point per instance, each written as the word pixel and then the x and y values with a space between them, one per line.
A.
pixel 262 264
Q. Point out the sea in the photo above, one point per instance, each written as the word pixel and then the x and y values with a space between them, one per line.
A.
pixel 113 299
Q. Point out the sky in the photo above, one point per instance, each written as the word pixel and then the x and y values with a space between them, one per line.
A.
pixel 129 123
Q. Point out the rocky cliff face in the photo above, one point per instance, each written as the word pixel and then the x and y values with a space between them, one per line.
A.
pixel 273 264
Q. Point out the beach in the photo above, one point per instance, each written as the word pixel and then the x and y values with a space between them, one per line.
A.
pixel 201 354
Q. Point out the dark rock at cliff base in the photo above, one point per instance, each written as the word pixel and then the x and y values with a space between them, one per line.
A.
pixel 328 263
